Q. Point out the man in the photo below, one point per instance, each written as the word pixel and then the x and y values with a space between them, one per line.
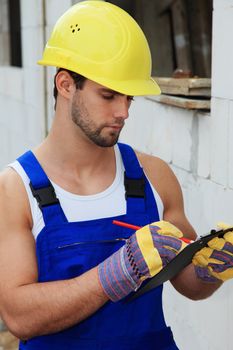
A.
pixel 65 267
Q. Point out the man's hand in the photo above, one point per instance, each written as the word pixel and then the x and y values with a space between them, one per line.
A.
pixel 145 253
pixel 215 262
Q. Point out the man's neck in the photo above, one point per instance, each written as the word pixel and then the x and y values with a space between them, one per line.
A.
pixel 75 164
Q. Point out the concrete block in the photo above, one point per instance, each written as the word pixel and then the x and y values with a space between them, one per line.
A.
pixel 204 144
pixel 193 322
pixel 31 13
pixel 15 115
pixel 54 11
pixel 4 145
pixel 222 51
pixel 138 126
pixel 33 46
pixel 18 143
pixel 219 142
pixel 205 201
pixel 183 139
pixel 50 71
pixel 148 128
pixel 33 86
pixel 11 82
pixel 161 132
pixel 217 202
pixel 193 198
pixel 173 134
pixel 230 146
pixel 35 125
pixel 221 4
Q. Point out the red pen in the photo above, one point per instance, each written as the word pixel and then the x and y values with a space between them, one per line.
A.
pixel 134 227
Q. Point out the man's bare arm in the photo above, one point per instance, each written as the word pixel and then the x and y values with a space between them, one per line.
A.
pixel 30 308
pixel 165 182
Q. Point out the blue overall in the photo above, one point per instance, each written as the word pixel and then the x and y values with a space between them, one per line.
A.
pixel 68 249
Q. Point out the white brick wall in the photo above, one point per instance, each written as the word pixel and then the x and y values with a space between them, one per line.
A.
pixel 230 137
pixel 223 50
pixel 199 148
pixel 219 140
pixel 21 90
pixel 204 145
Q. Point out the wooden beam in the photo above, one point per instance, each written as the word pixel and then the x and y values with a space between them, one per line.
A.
pixel 200 24
pixel 182 102
pixel 181 36
pixel 163 6
pixel 185 87
pixel 158 32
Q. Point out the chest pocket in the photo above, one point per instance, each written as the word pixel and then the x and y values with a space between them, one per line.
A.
pixel 70 251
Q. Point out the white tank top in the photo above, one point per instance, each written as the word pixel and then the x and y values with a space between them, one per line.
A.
pixel 110 202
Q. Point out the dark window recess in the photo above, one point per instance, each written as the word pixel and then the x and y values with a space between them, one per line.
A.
pixel 15 33
pixel 179 34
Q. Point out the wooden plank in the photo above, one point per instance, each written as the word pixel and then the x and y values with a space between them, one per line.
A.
pixel 186 87
pixel 181 36
pixel 181 102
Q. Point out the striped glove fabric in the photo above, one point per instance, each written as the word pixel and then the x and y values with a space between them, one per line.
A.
pixel 145 253
pixel 215 262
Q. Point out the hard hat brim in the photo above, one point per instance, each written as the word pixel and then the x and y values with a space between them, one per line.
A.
pixel 132 87
pixel 127 87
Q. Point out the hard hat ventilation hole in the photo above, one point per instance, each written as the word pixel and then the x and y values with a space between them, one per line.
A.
pixel 74 28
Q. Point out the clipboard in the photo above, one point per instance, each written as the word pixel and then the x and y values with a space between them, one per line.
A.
pixel 177 264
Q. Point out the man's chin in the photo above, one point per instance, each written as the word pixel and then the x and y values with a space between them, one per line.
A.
pixel 110 142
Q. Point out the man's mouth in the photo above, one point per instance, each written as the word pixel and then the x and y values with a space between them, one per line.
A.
pixel 116 126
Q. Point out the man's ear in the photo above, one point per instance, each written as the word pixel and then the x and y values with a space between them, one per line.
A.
pixel 65 84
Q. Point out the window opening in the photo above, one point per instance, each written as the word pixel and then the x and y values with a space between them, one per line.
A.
pixel 10 33
pixel 179 33
pixel 15 33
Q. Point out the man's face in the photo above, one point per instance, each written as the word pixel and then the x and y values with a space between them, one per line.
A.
pixel 100 113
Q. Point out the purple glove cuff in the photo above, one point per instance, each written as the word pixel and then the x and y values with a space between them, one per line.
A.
pixel 122 272
pixel 117 276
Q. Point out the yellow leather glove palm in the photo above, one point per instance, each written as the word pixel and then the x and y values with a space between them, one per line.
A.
pixel 159 243
pixel 215 262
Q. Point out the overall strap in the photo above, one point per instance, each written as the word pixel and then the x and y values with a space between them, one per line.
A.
pixel 138 192
pixel 42 189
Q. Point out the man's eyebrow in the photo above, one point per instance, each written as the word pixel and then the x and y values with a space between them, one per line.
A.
pixel 107 90
pixel 110 91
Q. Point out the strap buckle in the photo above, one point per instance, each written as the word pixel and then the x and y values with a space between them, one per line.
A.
pixel 45 196
pixel 134 187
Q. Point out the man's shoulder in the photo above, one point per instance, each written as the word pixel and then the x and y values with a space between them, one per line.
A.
pixel 14 204
pixel 11 185
pixel 8 177
pixel 151 163
pixel 160 175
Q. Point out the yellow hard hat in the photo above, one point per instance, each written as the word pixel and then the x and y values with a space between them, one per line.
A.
pixel 103 43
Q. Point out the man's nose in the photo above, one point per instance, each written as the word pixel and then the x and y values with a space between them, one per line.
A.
pixel 121 109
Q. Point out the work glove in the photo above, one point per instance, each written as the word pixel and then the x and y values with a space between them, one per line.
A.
pixel 215 262
pixel 145 253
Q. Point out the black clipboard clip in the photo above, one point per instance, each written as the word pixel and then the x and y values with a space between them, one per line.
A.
pixel 177 264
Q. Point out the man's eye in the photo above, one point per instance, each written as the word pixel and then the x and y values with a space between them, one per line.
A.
pixel 108 97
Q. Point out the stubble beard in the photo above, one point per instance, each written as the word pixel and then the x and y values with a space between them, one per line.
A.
pixel 81 119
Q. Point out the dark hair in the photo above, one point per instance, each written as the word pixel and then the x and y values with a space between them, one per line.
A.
pixel 77 78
